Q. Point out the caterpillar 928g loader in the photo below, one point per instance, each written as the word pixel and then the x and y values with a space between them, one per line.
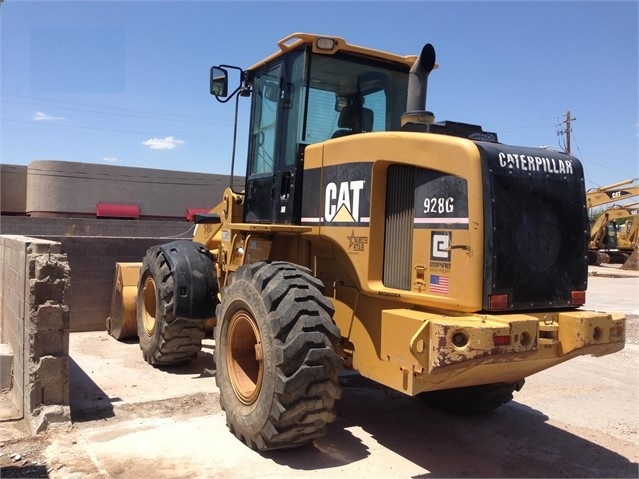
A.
pixel 424 255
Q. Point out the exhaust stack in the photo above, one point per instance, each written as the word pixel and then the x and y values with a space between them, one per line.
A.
pixel 417 88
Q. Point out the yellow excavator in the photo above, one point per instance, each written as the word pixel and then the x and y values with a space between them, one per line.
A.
pixel 628 229
pixel 613 235
pixel 616 192
pixel 425 255
pixel 613 241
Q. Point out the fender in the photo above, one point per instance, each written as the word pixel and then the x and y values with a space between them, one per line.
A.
pixel 194 277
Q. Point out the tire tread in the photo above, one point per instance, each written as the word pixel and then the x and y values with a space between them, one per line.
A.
pixel 305 338
pixel 179 340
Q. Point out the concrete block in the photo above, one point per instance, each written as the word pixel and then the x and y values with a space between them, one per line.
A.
pixel 43 291
pixel 49 315
pixel 49 343
pixel 15 258
pixel 55 393
pixel 46 416
pixel 52 369
pixel 32 394
pixel 6 367
pixel 41 246
pixel 48 267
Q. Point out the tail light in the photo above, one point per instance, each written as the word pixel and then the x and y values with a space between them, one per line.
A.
pixel 578 298
pixel 498 302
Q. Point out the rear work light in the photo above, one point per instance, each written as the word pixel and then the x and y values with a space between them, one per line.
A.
pixel 324 43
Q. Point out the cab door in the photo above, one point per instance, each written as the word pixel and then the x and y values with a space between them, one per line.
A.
pixel 260 181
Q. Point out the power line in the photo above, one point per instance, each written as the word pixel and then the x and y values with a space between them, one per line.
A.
pixel 567 130
pixel 116 130
pixel 100 106
pixel 128 115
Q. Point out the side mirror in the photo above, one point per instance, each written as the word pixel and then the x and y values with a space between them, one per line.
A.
pixel 219 82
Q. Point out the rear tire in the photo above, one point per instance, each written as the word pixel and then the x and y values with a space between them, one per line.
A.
pixel 164 339
pixel 472 400
pixel 277 369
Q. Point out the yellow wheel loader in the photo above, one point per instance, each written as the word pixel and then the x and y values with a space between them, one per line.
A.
pixel 425 255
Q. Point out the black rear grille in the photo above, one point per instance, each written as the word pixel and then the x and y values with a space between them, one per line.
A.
pixel 536 227
pixel 398 241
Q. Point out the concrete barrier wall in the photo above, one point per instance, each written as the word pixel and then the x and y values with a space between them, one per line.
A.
pixel 34 322
pixel 92 261
pixel 13 187
pixel 65 188
pixel 93 247
pixel 63 227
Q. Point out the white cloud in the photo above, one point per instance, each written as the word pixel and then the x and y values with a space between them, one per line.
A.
pixel 110 159
pixel 166 143
pixel 41 116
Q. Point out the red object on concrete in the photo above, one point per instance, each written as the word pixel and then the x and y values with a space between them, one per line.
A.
pixel 191 212
pixel 107 210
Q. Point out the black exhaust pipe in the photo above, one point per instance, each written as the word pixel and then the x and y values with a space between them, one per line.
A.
pixel 418 86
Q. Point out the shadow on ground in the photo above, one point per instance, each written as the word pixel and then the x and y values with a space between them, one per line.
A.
pixel 514 441
pixel 88 402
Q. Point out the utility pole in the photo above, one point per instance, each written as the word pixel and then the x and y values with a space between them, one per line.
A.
pixel 567 130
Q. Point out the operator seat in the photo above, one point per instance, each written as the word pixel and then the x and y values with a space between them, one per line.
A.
pixel 353 120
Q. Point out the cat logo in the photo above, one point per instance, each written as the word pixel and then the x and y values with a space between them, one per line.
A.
pixel 341 202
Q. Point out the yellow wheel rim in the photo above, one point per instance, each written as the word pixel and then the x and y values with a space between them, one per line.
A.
pixel 244 357
pixel 150 306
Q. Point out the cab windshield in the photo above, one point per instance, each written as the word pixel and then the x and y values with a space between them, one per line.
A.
pixel 307 98
pixel 347 96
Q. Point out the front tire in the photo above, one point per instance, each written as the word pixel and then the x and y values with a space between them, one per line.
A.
pixel 164 339
pixel 277 369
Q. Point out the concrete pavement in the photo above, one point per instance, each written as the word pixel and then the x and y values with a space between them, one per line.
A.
pixel 135 421
pixel 168 424
pixel 612 289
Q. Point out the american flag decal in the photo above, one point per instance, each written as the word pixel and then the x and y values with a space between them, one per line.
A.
pixel 439 284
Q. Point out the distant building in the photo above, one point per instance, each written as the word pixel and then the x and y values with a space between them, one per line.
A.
pixel 48 188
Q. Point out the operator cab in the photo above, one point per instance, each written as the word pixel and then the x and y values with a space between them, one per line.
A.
pixel 314 89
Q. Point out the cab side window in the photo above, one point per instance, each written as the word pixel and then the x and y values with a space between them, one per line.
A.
pixel 267 93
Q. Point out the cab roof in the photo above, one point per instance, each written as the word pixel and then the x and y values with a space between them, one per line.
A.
pixel 328 45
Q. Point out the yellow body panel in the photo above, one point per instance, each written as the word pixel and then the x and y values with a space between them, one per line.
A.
pixel 402 338
pixel 414 351
pixel 450 155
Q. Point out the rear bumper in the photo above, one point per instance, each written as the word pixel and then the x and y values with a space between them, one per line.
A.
pixel 478 349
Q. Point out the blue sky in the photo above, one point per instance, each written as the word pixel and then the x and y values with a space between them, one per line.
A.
pixel 126 83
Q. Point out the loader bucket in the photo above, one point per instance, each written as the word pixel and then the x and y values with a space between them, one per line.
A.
pixel 122 322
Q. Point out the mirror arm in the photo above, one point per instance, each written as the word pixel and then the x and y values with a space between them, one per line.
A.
pixel 229 96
